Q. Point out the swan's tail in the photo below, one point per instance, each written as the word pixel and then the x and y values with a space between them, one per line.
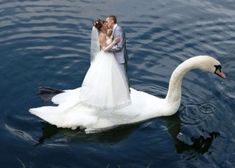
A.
pixel 46 93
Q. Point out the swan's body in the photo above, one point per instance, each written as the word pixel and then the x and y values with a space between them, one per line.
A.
pixel 71 114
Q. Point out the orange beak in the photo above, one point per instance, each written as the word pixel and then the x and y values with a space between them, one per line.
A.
pixel 221 74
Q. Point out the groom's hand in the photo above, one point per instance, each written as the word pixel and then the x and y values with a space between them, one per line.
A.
pixel 117 39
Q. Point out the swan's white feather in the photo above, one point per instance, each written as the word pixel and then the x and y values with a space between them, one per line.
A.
pixel 71 114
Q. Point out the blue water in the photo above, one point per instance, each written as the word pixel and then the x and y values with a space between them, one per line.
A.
pixel 47 43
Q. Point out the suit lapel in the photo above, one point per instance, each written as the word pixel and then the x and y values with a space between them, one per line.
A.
pixel 114 29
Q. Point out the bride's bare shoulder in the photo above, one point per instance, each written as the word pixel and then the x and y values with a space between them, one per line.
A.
pixel 102 35
pixel 102 39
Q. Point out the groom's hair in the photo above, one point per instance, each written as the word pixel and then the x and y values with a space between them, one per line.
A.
pixel 113 18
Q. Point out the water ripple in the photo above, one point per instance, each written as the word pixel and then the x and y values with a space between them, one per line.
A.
pixel 195 114
pixel 47 43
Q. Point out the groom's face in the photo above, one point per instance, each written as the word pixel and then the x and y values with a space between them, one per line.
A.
pixel 110 22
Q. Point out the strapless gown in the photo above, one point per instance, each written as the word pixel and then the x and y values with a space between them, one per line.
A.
pixel 104 89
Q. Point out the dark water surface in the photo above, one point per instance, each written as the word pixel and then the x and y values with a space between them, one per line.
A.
pixel 47 43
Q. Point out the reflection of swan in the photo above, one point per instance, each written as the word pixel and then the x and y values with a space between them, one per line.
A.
pixel 194 144
pixel 70 114
pixel 110 136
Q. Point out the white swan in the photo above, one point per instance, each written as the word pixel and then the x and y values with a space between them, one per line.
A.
pixel 70 114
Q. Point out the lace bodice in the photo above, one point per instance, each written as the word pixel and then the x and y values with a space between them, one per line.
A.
pixel 108 40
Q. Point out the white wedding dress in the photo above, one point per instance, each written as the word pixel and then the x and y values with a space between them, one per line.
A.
pixel 104 86
pixel 103 91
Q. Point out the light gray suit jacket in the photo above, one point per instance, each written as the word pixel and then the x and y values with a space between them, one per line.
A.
pixel 119 49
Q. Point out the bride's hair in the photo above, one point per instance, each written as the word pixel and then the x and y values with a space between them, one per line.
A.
pixel 98 23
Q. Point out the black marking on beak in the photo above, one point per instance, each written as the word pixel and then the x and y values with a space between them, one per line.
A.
pixel 218 71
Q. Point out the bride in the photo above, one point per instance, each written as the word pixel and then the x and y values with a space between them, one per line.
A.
pixel 104 86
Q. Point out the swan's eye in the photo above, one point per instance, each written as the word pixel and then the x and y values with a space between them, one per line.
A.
pixel 218 68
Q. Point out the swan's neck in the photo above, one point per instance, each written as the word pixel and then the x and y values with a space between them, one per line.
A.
pixel 174 90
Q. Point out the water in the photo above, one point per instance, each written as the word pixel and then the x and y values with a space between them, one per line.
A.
pixel 46 43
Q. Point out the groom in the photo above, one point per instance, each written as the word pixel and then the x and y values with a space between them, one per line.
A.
pixel 119 49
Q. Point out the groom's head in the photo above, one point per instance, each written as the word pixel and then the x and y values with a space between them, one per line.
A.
pixel 111 21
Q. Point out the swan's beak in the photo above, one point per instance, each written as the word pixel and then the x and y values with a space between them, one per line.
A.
pixel 220 74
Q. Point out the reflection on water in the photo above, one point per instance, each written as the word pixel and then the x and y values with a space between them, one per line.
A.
pixel 200 145
pixel 46 43
pixel 111 136
pixel 196 146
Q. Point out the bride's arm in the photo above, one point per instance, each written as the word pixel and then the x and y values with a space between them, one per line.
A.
pixel 114 42
pixel 103 45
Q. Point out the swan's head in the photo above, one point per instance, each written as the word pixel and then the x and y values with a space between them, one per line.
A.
pixel 210 64
pixel 218 71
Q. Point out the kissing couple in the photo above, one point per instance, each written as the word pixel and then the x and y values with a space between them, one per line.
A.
pixel 105 86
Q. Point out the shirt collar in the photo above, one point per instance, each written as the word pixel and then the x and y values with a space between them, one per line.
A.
pixel 114 27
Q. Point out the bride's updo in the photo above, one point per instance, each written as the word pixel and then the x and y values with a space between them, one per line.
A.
pixel 98 23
